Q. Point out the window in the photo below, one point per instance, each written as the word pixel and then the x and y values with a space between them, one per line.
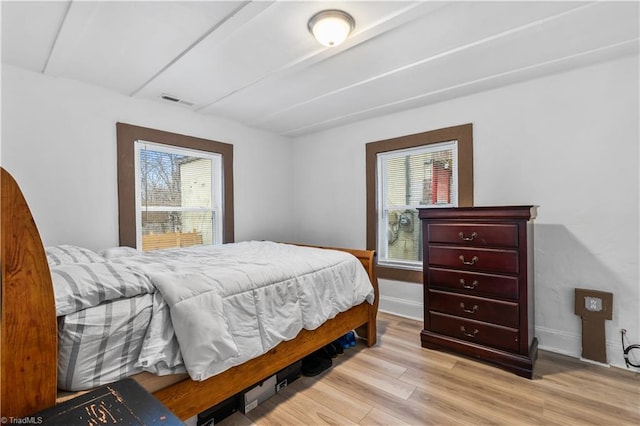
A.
pixel 432 169
pixel 173 190
pixel 407 179
pixel 178 196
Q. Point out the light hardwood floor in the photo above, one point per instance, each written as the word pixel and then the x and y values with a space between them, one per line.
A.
pixel 398 383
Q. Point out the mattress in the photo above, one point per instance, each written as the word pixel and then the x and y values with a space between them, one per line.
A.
pixel 201 309
pixel 100 345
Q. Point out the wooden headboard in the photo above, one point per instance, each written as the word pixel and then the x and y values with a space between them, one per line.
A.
pixel 28 329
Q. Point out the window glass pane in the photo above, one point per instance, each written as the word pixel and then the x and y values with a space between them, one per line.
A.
pixel 179 193
pixel 195 182
pixel 404 231
pixel 419 179
pixel 408 179
pixel 166 229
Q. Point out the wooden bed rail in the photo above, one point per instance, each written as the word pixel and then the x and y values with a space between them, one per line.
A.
pixel 28 332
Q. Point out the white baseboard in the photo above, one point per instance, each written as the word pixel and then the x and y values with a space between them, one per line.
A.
pixel 590 361
pixel 570 344
pixel 401 307
pixel 558 341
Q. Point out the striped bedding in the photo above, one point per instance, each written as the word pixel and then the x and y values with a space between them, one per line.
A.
pixel 104 315
pixel 101 344
pixel 201 309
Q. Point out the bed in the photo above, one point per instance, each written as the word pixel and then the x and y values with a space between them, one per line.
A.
pixel 29 328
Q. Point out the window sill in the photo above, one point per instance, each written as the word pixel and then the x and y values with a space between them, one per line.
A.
pixel 399 274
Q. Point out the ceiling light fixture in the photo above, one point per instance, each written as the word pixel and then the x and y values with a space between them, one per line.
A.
pixel 331 27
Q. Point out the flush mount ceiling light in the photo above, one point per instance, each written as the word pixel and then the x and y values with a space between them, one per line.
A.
pixel 331 27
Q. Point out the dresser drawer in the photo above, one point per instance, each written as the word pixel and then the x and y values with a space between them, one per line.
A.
pixel 475 331
pixel 474 259
pixel 475 283
pixel 477 308
pixel 476 234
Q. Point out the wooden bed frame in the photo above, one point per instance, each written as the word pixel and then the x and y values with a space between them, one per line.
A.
pixel 29 327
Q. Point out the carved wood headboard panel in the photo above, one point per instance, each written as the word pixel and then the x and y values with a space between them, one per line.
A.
pixel 28 331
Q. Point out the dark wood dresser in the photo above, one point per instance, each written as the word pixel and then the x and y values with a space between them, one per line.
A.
pixel 478 284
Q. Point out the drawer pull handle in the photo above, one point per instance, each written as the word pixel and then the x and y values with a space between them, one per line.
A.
pixel 466 333
pixel 469 311
pixel 471 286
pixel 473 260
pixel 470 238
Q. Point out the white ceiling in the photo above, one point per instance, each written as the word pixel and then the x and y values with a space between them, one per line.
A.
pixel 256 63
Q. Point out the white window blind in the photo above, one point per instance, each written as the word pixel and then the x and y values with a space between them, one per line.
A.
pixel 424 176
pixel 178 196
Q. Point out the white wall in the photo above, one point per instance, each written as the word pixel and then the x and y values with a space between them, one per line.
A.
pixel 566 142
pixel 59 143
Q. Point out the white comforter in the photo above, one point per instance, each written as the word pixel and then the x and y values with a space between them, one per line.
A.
pixel 231 303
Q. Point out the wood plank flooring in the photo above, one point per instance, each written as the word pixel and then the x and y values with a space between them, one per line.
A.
pixel 397 382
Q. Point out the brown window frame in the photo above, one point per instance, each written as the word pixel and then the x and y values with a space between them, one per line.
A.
pixel 127 135
pixel 464 135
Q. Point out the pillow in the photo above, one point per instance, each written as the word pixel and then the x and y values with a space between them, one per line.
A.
pixel 65 254
pixel 116 252
pixel 79 286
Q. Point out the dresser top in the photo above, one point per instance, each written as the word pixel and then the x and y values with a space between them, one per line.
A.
pixel 480 212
